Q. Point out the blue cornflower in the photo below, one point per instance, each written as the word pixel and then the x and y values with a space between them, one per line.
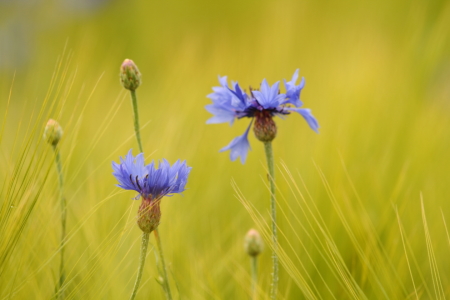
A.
pixel 151 183
pixel 263 104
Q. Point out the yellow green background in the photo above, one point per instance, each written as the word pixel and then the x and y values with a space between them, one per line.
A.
pixel 363 216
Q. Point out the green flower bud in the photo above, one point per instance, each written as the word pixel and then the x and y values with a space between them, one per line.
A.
pixel 265 128
pixel 160 280
pixel 253 243
pixel 130 77
pixel 53 132
pixel 149 215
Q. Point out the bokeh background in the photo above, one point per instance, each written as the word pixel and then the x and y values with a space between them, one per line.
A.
pixel 362 204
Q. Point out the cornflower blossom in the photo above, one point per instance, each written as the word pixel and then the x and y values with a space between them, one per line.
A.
pixel 151 183
pixel 263 104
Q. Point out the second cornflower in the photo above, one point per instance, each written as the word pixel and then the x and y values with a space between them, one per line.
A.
pixel 234 103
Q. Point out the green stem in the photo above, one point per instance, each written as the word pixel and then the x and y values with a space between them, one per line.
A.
pixel 254 266
pixel 136 119
pixel 144 246
pixel 62 275
pixel 273 208
pixel 163 263
pixel 138 137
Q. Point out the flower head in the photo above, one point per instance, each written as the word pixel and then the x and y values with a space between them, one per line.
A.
pixel 152 183
pixel 253 243
pixel 148 180
pixel 130 77
pixel 263 104
pixel 53 132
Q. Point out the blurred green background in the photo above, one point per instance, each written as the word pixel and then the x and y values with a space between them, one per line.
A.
pixel 377 79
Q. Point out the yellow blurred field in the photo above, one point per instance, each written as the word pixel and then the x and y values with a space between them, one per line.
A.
pixel 363 205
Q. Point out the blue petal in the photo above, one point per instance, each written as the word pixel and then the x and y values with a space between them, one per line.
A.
pixel 179 172
pixel 294 77
pixel 226 102
pixel 293 91
pixel 239 146
pixel 220 115
pixel 268 97
pixel 240 98
pixel 223 81
pixel 306 114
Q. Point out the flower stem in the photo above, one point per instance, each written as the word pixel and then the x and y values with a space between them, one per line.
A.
pixel 158 239
pixel 254 266
pixel 136 119
pixel 273 208
pixel 144 246
pixel 62 275
pixel 163 263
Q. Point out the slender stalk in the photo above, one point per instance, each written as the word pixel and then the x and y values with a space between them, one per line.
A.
pixel 163 263
pixel 273 208
pixel 136 119
pixel 144 246
pixel 157 236
pixel 254 266
pixel 62 275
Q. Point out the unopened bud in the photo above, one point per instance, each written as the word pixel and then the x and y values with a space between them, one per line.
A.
pixel 253 243
pixel 149 215
pixel 265 128
pixel 130 77
pixel 53 132
pixel 160 280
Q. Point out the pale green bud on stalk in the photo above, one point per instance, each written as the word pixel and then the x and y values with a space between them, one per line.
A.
pixel 253 243
pixel 53 132
pixel 130 77
pixel 160 280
